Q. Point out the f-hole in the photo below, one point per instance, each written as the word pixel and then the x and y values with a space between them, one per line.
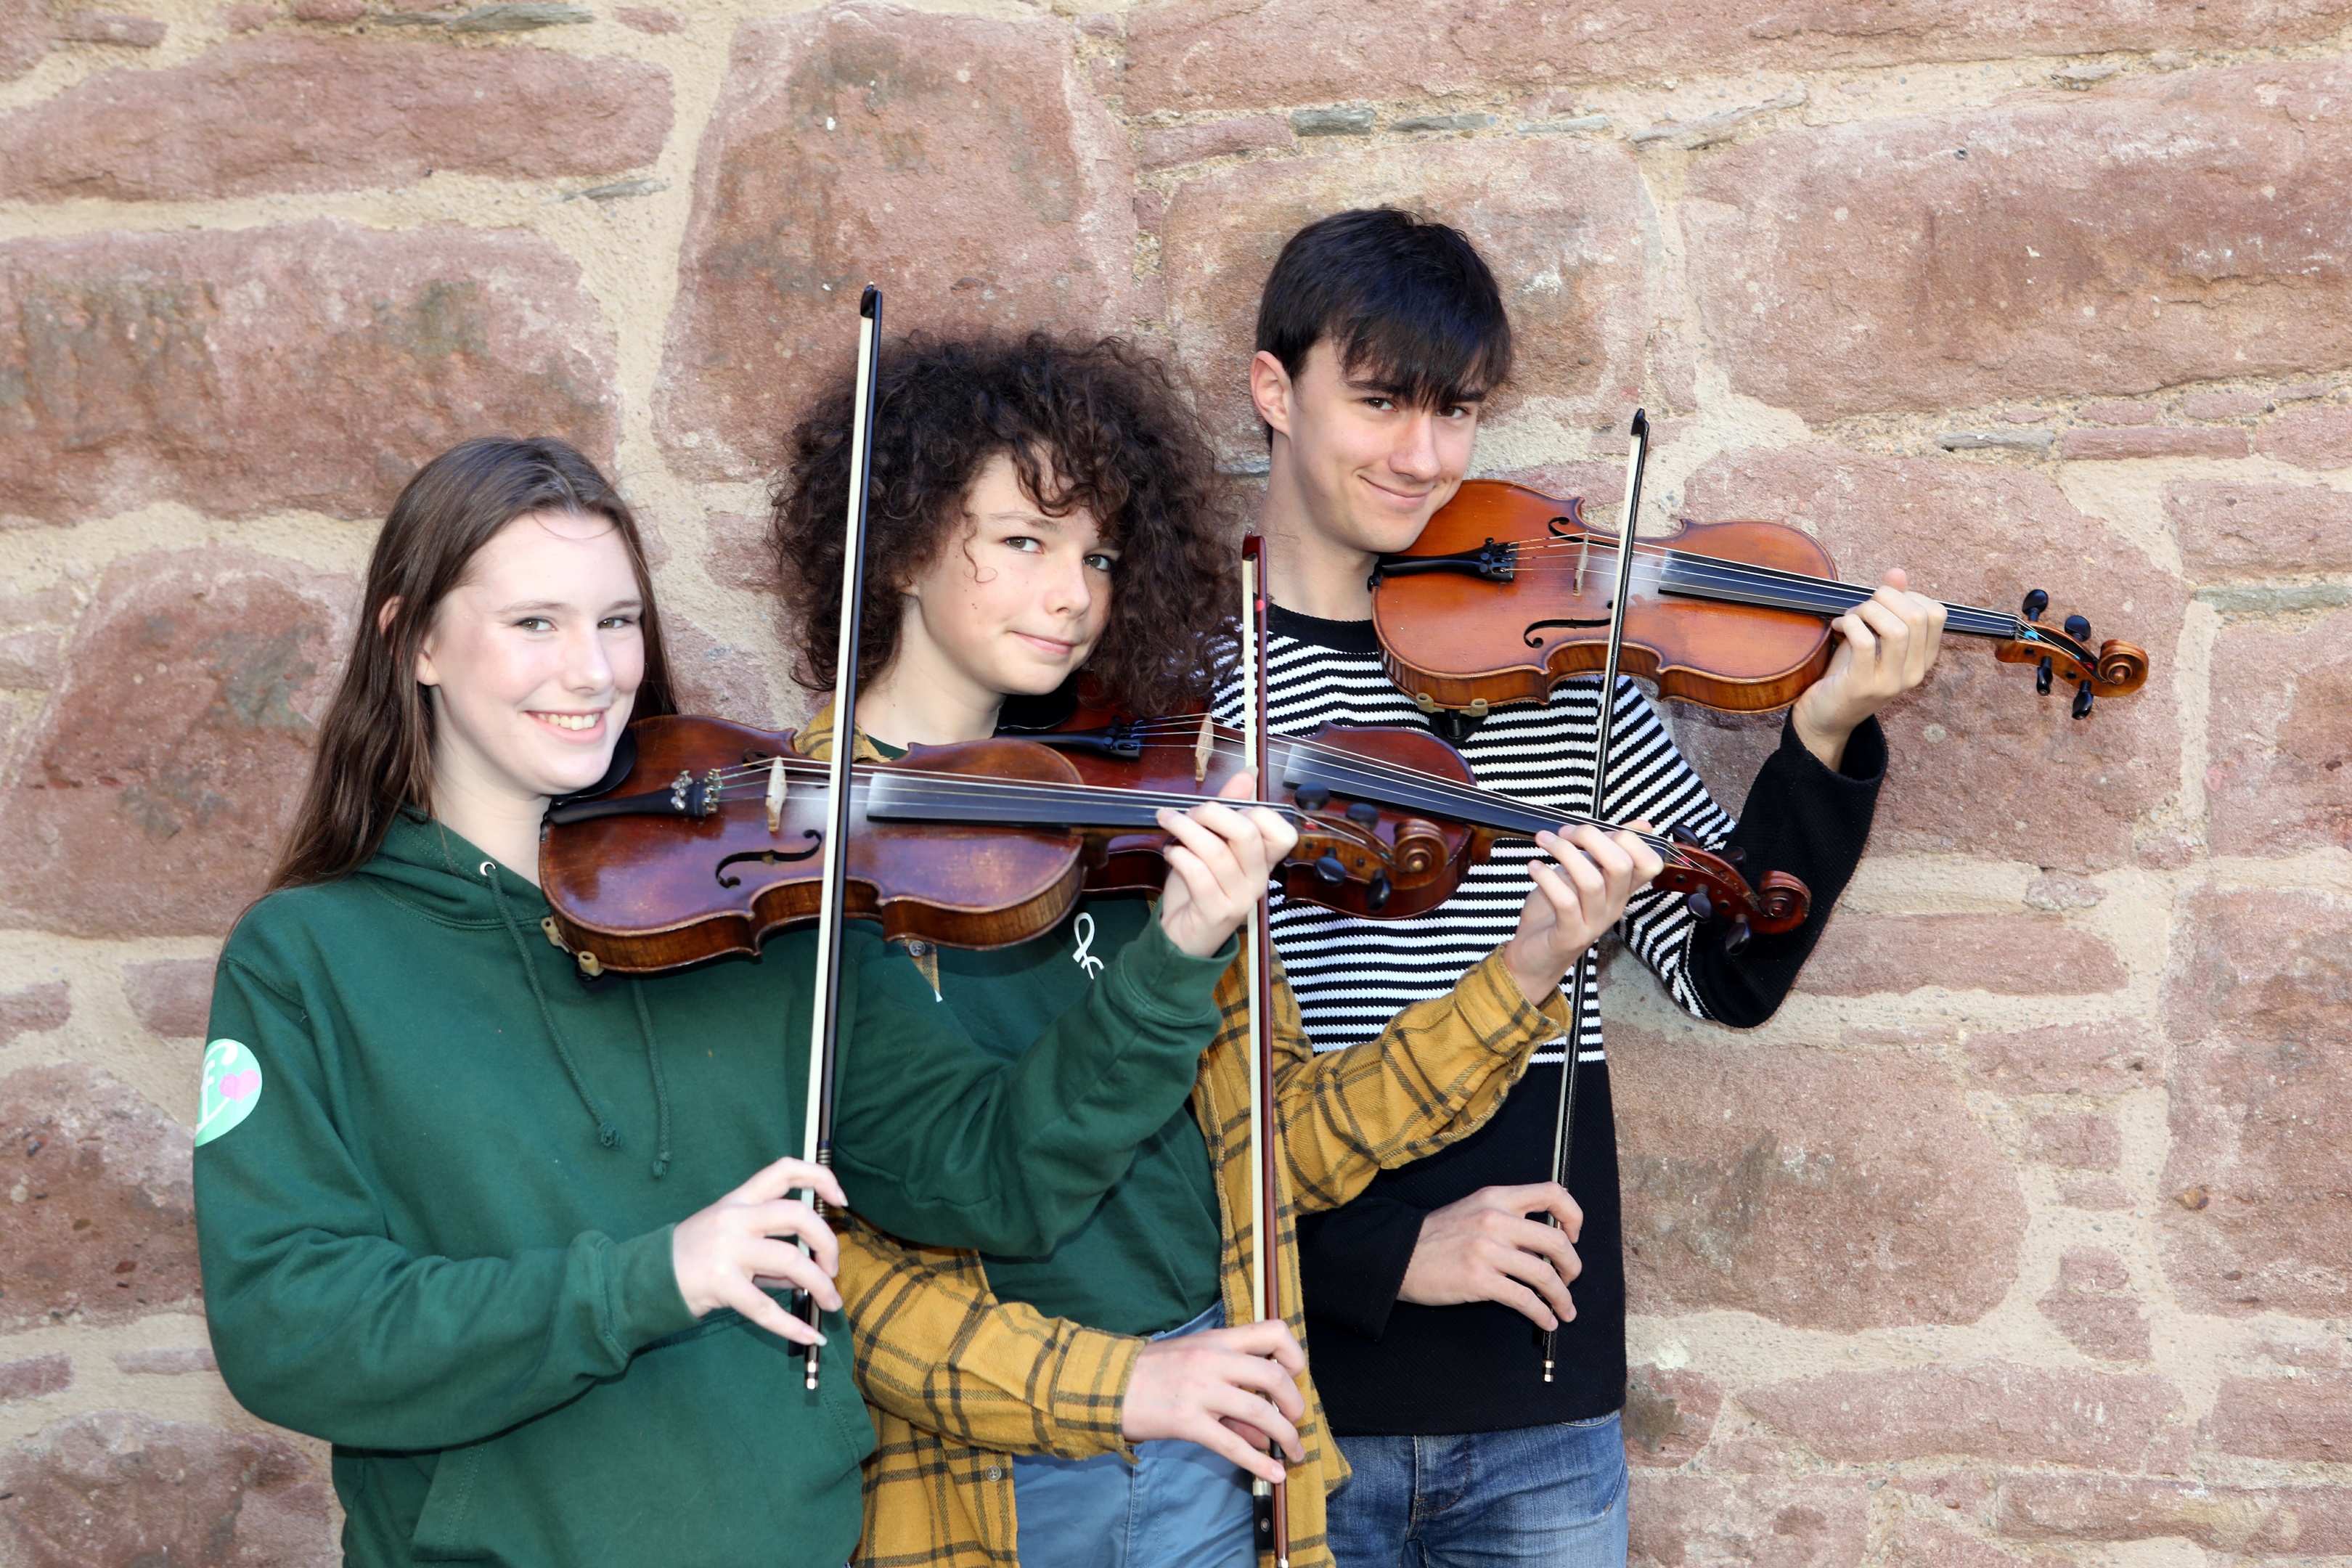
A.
pixel 769 858
pixel 1533 635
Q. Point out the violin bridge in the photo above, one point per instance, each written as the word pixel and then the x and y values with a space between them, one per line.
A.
pixel 1583 555
pixel 1204 747
pixel 775 795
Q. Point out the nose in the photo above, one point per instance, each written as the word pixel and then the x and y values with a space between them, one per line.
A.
pixel 587 663
pixel 1414 456
pixel 1069 590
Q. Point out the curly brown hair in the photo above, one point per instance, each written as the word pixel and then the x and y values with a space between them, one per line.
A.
pixel 1100 424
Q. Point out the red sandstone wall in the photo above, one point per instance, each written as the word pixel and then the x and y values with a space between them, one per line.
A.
pixel 2021 1235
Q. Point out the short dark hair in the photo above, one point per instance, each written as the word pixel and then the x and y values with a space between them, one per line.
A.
pixel 1097 424
pixel 375 745
pixel 1404 301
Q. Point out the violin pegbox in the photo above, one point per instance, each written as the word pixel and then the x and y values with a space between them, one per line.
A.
pixel 2063 653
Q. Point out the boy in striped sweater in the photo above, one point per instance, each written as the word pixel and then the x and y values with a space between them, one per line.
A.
pixel 1378 336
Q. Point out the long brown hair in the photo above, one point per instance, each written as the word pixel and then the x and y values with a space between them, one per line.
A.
pixel 1095 423
pixel 375 746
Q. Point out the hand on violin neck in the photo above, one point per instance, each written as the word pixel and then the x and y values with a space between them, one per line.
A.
pixel 1230 1390
pixel 1218 865
pixel 1486 1247
pixel 1579 893
pixel 1886 645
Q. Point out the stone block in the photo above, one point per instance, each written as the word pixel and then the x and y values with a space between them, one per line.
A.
pixel 714 678
pixel 1920 1544
pixel 2153 441
pixel 162 774
pixel 2306 1417
pixel 173 996
pixel 35 1377
pixel 177 1361
pixel 2009 955
pixel 310 366
pixel 2298 1520
pixel 650 19
pixel 2097 1058
pixel 1566 227
pixel 109 28
pixel 2110 1327
pixel 2115 411
pixel 290 112
pixel 1166 146
pixel 1755 1522
pixel 2309 437
pixel 2234 528
pixel 24 37
pixel 2255 995
pixel 1993 1410
pixel 1668 1415
pixel 119 1487
pixel 955 161
pixel 2032 249
pixel 34 1009
pixel 2092 1269
pixel 97 1216
pixel 1980 765
pixel 2078 1141
pixel 2281 737
pixel 31 660
pixel 1821 1189
pixel 2225 404
pixel 736 553
pixel 338 13
pixel 1216 54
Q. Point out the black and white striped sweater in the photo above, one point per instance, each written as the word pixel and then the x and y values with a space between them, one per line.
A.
pixel 1387 1366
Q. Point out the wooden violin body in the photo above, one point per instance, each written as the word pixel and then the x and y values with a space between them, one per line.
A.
pixel 1507 591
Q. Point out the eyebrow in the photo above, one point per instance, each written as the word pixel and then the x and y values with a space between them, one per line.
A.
pixel 1396 390
pixel 532 606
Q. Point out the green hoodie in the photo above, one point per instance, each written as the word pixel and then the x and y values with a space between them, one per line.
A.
pixel 434 1208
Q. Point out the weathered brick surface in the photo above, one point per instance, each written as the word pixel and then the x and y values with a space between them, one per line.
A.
pixel 104 1229
pixel 2255 996
pixel 1668 1415
pixel 36 1376
pixel 1699 1522
pixel 1859 955
pixel 1565 225
pixel 2307 1417
pixel 171 995
pixel 2302 1521
pixel 716 679
pixel 1980 764
pixel 1861 267
pixel 1825 1190
pixel 34 1009
pixel 283 113
pixel 2078 1141
pixel 117 1486
pixel 1204 54
pixel 954 161
pixel 312 365
pixel 2066 1059
pixel 160 777
pixel 24 37
pixel 2229 528
pixel 1991 1410
pixel 2279 777
pixel 2109 1326
pixel 2309 437
pixel 1918 1543
pixel 2153 441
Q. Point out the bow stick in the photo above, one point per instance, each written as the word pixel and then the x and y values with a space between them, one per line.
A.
pixel 1563 1133
pixel 1270 1500
pixel 825 1010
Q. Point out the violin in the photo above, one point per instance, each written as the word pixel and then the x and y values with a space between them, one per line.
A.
pixel 705 837
pixel 1509 591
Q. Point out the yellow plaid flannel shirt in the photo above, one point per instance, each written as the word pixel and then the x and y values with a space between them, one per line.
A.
pixel 958 1381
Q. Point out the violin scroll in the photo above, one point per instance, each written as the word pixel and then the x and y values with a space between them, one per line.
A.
pixel 1713 887
pixel 2117 669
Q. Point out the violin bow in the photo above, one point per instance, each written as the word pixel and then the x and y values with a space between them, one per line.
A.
pixel 1563 1130
pixel 1269 1500
pixel 825 1011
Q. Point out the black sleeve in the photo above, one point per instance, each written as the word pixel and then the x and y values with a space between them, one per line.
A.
pixel 1806 820
pixel 1351 1260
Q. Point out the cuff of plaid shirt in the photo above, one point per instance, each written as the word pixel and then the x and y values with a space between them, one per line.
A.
pixel 1492 1005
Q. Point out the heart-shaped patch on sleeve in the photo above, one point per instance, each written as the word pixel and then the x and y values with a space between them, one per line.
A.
pixel 232 1088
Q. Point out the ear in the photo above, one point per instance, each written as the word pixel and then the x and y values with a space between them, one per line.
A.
pixel 1271 390
pixel 427 675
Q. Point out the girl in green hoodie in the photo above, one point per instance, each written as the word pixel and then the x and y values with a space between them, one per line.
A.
pixel 510 1241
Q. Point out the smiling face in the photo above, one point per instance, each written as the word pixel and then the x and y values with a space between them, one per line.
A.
pixel 534 661
pixel 1351 462
pixel 1013 604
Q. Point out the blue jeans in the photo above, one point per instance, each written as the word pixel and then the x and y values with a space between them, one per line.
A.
pixel 1177 1506
pixel 1547 1495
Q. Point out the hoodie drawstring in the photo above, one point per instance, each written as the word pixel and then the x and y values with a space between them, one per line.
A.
pixel 661 1091
pixel 606 1134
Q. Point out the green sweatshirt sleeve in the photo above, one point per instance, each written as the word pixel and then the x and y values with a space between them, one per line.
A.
pixel 323 1324
pixel 941 1143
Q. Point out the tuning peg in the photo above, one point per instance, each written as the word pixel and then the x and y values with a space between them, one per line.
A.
pixel 1680 835
pixel 1732 855
pixel 1701 907
pixel 1330 870
pixel 2035 603
pixel 1737 937
pixel 1376 898
pixel 2042 677
pixel 1313 797
pixel 1363 813
pixel 2083 701
pixel 2078 626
